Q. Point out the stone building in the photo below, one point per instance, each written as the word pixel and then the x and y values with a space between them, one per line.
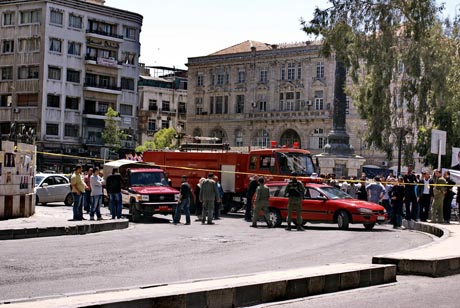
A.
pixel 63 63
pixel 253 93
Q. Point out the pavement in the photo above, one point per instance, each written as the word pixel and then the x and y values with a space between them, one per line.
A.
pixel 438 258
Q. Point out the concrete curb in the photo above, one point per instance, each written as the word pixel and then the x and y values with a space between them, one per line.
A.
pixel 76 229
pixel 416 262
pixel 234 291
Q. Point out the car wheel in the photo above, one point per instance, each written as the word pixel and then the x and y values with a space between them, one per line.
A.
pixel 68 201
pixel 343 220
pixel 135 214
pixel 275 217
pixel 369 226
pixel 37 201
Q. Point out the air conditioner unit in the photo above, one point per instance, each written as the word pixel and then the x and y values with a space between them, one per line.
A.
pixel 384 163
pixel 308 103
pixel 16 110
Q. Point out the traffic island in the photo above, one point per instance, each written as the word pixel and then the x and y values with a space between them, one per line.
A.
pixel 235 291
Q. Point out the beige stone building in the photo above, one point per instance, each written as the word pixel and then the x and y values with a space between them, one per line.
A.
pixel 253 93
pixel 63 63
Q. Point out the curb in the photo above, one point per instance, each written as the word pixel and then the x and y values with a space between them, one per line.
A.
pixel 431 267
pixel 24 233
pixel 234 291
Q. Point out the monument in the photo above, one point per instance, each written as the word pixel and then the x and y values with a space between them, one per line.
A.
pixel 338 156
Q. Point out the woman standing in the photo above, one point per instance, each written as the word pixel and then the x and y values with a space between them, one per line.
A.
pixel 96 194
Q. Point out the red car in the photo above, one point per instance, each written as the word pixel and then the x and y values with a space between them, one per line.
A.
pixel 325 204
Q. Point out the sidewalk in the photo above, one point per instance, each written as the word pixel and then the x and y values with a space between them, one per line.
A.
pixel 54 221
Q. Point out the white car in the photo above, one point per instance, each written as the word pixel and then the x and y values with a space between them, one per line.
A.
pixel 52 188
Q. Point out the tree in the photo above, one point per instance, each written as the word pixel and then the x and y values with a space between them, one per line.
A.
pixel 162 139
pixel 112 134
pixel 400 59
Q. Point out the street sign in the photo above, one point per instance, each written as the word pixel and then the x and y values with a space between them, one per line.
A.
pixel 438 142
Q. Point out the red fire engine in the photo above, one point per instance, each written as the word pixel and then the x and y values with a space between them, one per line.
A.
pixel 233 168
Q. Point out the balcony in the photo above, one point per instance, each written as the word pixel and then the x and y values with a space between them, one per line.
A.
pixel 98 115
pixel 107 62
pixel 102 87
pixel 104 35
pixel 257 116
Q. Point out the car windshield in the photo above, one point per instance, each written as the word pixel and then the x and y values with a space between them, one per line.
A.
pixel 38 179
pixel 139 179
pixel 335 193
pixel 302 164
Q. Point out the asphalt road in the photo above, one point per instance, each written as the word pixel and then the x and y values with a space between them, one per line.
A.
pixel 156 252
pixel 409 291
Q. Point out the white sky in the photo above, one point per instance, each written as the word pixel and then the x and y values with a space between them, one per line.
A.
pixel 175 30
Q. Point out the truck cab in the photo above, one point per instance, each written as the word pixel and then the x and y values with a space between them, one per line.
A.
pixel 145 188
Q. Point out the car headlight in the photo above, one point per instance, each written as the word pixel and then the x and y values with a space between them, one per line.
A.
pixel 142 197
pixel 364 211
pixel 176 197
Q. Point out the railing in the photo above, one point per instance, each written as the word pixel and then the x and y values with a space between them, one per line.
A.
pixel 102 86
pixel 99 32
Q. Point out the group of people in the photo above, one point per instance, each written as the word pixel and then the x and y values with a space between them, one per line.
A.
pixel 87 192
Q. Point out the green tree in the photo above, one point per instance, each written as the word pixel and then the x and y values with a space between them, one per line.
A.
pixel 162 139
pixel 400 59
pixel 112 134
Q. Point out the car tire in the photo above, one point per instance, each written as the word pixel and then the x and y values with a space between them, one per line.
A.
pixel 37 201
pixel 369 226
pixel 275 217
pixel 135 214
pixel 68 201
pixel 343 220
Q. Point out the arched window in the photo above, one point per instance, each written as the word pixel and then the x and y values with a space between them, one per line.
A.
pixel 238 138
pixel 289 137
pixel 262 138
pixel 218 133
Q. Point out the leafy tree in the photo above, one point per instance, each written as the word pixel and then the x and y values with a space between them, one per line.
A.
pixel 164 138
pixel 112 134
pixel 401 60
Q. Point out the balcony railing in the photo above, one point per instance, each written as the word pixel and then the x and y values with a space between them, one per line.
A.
pixel 99 32
pixel 104 61
pixel 102 86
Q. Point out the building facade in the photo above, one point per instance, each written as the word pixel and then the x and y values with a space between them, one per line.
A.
pixel 253 93
pixel 63 63
pixel 162 101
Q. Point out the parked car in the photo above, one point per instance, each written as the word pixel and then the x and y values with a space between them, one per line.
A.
pixel 325 204
pixel 52 188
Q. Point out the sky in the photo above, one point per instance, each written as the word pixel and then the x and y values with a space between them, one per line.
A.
pixel 176 30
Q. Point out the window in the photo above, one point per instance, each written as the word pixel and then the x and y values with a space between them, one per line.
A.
pixel 220 79
pixel 55 45
pixel 320 70
pixel 182 108
pixel 6 100
pixel 27 100
pixel 28 72
pixel 239 138
pixel 54 73
pixel 6 73
pixel 75 21
pixel 8 46
pixel 56 17
pixel 262 106
pixel 164 124
pixel 319 100
pixel 283 72
pixel 30 17
pixel 71 130
pixel 221 105
pixel 165 105
pixel 52 129
pixel 8 19
pixel 126 109
pixel 239 104
pixel 152 125
pixel 153 105
pixel 291 71
pixel 74 48
pixel 127 83
pixel 29 45
pixel 129 58
pixel 263 75
pixel 73 76
pixel 262 138
pixel 299 71
pixel 72 102
pixel 53 101
pixel 130 33
pixel 241 76
pixel 200 80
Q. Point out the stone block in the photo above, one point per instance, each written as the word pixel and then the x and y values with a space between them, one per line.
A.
pixel 297 288
pixel 176 301
pixel 316 285
pixel 248 295
pixel 197 299
pixel 349 280
pixel 273 291
pixel 332 283
pixel 220 298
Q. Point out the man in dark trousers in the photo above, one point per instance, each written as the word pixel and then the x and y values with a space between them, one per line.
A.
pixel 113 187
pixel 184 202
pixel 252 187
pixel 410 199
pixel 448 197
pixel 424 191
pixel 295 191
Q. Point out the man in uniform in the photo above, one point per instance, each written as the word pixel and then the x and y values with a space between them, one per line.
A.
pixel 439 190
pixel 261 203
pixel 252 187
pixel 295 191
pixel 208 196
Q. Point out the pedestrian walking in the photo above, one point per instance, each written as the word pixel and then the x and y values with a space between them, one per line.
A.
pixel 261 203
pixel 198 204
pixel 439 191
pixel 184 202
pixel 96 195
pixel 424 195
pixel 410 199
pixel 208 196
pixel 88 196
pixel 113 187
pixel 252 187
pixel 397 195
pixel 449 196
pixel 78 190
pixel 295 191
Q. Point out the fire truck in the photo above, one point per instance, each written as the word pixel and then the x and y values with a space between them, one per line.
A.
pixel 234 168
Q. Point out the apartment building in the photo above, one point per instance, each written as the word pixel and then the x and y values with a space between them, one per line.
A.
pixel 63 63
pixel 162 100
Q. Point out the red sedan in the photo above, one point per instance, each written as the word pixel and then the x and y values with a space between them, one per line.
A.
pixel 325 204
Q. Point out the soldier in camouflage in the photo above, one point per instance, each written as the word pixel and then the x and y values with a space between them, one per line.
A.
pixel 295 191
